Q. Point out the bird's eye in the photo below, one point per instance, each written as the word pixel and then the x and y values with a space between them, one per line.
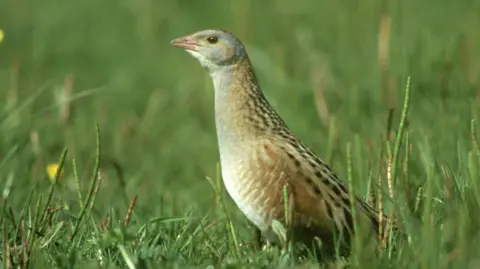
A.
pixel 212 39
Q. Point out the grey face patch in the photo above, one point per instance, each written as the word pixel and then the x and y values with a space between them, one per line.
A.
pixel 225 51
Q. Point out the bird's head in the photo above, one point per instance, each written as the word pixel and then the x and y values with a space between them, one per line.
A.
pixel 214 49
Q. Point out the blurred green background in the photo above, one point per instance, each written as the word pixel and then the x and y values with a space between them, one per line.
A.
pixel 66 64
pixel 154 103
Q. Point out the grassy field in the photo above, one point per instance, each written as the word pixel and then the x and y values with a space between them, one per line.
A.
pixel 335 71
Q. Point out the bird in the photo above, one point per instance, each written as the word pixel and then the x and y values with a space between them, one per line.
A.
pixel 270 174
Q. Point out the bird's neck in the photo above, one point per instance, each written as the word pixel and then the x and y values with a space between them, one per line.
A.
pixel 241 109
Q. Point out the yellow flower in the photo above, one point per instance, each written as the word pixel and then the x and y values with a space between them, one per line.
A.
pixel 2 35
pixel 52 169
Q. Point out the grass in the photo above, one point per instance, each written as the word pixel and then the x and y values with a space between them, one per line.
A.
pixel 147 193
